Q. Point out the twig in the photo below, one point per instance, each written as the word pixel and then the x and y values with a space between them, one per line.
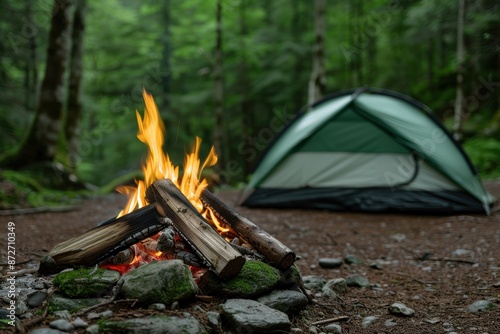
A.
pixel 446 259
pixel 407 275
pixel 327 321
pixel 112 301
pixel 42 209
pixel 20 272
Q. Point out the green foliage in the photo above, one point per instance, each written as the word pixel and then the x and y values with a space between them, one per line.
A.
pixel 485 154
pixel 408 46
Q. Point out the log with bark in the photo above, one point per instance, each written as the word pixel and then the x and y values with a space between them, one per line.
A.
pixel 209 245
pixel 103 241
pixel 270 247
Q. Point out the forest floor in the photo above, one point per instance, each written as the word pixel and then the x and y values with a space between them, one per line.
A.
pixel 438 288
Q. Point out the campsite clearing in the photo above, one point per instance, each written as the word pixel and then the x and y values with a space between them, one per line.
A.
pixel 438 288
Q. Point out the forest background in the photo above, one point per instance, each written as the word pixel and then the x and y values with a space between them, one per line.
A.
pixel 232 72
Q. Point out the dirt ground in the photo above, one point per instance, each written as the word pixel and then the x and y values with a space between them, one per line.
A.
pixel 438 288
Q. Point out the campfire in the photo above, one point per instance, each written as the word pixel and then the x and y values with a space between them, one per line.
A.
pixel 170 216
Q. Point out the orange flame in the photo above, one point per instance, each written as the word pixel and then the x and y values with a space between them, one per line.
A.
pixel 159 166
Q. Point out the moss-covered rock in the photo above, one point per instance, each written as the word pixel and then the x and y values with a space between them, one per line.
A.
pixel 59 303
pixel 159 282
pixel 86 282
pixel 290 278
pixel 254 279
pixel 154 325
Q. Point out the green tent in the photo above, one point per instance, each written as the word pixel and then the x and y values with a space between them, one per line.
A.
pixel 368 150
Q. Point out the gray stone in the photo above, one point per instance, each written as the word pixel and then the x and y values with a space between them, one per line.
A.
pixel 330 262
pixel 159 282
pixel 249 316
pixel 36 298
pixel 63 314
pixel 80 323
pixel 21 307
pixel 62 325
pixel 287 301
pixel 353 259
pixel 154 325
pixel 101 315
pixel 357 281
pixel 254 279
pixel 368 321
pixel 46 331
pixel 376 266
pixel 327 291
pixel 93 329
pixel 390 323
pixel 333 328
pixel 59 303
pixel 337 284
pixel 401 309
pixel 481 305
pixel 213 319
pixel 86 282
pixel 157 307
pixel 314 283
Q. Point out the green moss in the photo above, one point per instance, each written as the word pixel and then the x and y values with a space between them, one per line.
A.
pixel 70 283
pixel 254 279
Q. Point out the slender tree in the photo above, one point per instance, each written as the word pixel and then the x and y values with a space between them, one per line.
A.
pixel 458 119
pixel 219 86
pixel 74 108
pixel 41 142
pixel 317 82
pixel 165 56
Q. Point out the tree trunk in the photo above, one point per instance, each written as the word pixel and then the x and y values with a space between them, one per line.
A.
pixel 41 143
pixel 458 119
pixel 219 87
pixel 317 82
pixel 165 58
pixel 74 108
pixel 246 104
pixel 31 73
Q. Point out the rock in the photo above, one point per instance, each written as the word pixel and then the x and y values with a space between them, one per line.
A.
pixel 312 330
pixel 368 321
pixel 62 325
pixel 36 298
pixel 159 282
pixel 398 237
pixel 100 315
pixel 249 316
pixel 314 283
pixel 93 329
pixel 255 279
pixel 157 307
pixel 154 325
pixel 79 323
pixel 330 262
pixel 64 314
pixel 337 284
pixel 21 307
pixel 352 259
pixel 376 266
pixel 287 301
pixel 390 323
pixel 46 331
pixel 290 278
pixel 357 281
pixel 333 328
pixel 481 305
pixel 59 303
pixel 401 309
pixel 86 282
pixel 213 319
pixel 461 252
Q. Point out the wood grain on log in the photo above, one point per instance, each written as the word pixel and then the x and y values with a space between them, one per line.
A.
pixel 223 259
pixel 270 247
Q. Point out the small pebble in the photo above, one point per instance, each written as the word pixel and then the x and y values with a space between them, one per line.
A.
pixel 63 314
pixel 157 307
pixel 401 309
pixel 80 323
pixel 330 262
pixel 62 325
pixel 333 328
pixel 93 329
pixel 368 321
pixel 352 259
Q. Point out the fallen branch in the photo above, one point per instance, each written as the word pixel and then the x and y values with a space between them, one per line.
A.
pixel 329 321
pixel 108 302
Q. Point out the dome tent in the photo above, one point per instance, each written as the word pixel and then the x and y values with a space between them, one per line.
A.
pixel 368 150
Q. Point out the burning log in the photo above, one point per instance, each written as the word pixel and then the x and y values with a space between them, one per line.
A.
pixel 103 241
pixel 272 249
pixel 223 259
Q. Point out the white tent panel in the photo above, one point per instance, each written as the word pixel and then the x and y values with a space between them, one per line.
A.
pixel 355 170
